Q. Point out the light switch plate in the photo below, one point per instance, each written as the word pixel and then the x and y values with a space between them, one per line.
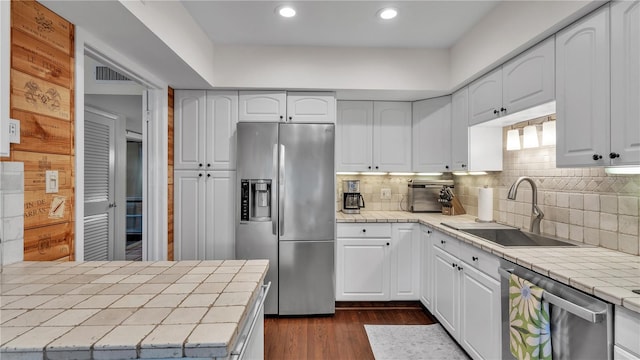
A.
pixel 385 194
pixel 14 131
pixel 51 181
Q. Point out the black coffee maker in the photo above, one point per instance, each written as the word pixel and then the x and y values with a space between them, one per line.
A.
pixel 352 200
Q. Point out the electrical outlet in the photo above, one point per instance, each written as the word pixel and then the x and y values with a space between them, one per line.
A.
pixel 385 194
pixel 14 131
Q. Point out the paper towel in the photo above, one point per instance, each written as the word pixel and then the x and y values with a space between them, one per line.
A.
pixel 485 204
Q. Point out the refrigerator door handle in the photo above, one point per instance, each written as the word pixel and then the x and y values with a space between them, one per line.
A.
pixel 274 221
pixel 281 193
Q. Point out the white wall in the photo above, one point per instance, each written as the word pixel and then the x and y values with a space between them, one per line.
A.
pixel 510 28
pixel 129 106
pixel 171 22
pixel 331 68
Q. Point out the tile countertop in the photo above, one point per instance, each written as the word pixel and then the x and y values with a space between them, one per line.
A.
pixel 607 274
pixel 124 309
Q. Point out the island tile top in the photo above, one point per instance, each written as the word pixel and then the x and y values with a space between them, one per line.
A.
pixel 124 309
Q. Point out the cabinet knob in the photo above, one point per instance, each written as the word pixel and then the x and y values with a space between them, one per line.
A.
pixel 496 112
pixel 503 109
pixel 613 155
pixel 459 268
pixel 429 231
pixel 446 166
pixel 442 242
pixel 208 165
pixel 596 157
pixel 290 118
pixel 369 167
pixel 387 244
pixel 474 258
pixel 364 230
pixel 208 175
pixel 453 265
pixel 199 175
pixel 281 117
pixel 376 167
pixel 464 166
pixel 199 165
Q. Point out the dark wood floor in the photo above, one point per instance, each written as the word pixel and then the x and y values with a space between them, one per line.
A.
pixel 341 336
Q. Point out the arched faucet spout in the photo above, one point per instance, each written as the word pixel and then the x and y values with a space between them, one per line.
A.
pixel 536 213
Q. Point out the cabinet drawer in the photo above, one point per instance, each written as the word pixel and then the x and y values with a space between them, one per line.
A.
pixel 364 230
pixel 627 330
pixel 446 243
pixel 481 260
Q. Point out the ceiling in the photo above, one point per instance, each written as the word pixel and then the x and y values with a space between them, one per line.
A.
pixel 419 24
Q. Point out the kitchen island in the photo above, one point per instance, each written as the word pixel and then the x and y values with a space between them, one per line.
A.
pixel 128 310
pixel 607 274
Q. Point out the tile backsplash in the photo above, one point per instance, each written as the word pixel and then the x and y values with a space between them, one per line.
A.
pixel 582 204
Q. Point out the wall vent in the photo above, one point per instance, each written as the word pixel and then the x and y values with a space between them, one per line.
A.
pixel 104 73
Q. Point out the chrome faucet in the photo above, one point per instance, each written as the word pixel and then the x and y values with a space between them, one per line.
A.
pixel 535 211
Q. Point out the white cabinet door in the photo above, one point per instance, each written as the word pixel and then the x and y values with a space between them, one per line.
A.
pixel 582 92
pixel 354 135
pixel 189 215
pixel 621 354
pixel 362 272
pixel 313 107
pixel 480 317
pixel 625 83
pixel 426 268
pixel 220 215
pixel 431 135
pixel 460 130
pixel 262 106
pixel 529 79
pixel 405 261
pixel 391 136
pixel 189 130
pixel 485 98
pixel 222 120
pixel 446 290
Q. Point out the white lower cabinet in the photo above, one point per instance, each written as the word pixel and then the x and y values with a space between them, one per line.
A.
pixel 204 226
pixel 466 295
pixel 426 268
pixel 377 262
pixel 626 334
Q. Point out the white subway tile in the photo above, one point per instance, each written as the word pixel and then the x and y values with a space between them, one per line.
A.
pixel 592 202
pixel 576 233
pixel 628 244
pixel 562 199
pixel 562 230
pixel 628 205
pixel 592 219
pixel 576 217
pixel 576 201
pixel 609 204
pixel 609 239
pixel 628 224
pixel 591 236
pixel 608 222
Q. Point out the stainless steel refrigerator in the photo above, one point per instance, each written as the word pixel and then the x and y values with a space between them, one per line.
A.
pixel 286 193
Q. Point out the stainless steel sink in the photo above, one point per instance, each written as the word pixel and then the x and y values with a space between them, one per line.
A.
pixel 506 236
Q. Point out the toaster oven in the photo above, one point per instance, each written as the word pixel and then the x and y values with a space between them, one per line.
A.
pixel 424 195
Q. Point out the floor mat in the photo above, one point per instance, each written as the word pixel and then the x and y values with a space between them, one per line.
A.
pixel 412 342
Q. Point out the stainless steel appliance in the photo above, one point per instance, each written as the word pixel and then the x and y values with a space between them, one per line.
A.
pixel 581 325
pixel 352 200
pixel 286 182
pixel 424 195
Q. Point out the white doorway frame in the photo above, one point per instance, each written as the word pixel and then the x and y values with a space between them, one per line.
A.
pixel 155 139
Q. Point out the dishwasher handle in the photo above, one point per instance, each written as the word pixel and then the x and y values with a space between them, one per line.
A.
pixel 575 309
pixel 243 339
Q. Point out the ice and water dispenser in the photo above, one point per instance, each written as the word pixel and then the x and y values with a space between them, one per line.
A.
pixel 255 200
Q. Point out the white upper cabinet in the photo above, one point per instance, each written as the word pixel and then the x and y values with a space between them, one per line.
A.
pixel 205 129
pixel 460 130
pixel 485 97
pixel 391 136
pixel 313 107
pixel 431 129
pixel 582 92
pixel 373 136
pixel 189 129
pixel 222 121
pixel 625 83
pixel 529 79
pixel 263 106
pixel 354 136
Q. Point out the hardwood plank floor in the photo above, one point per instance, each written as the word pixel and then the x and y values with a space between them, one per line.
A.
pixel 341 336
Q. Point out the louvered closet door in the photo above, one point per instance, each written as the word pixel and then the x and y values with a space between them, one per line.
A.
pixel 99 179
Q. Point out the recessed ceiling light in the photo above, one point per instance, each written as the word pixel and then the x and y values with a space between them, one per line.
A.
pixel 387 13
pixel 286 11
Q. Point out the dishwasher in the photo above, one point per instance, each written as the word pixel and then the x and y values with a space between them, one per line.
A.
pixel 581 325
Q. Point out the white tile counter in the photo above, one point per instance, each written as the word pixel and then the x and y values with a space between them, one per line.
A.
pixel 607 274
pixel 125 310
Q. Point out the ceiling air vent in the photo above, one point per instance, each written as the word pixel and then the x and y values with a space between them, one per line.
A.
pixel 104 73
